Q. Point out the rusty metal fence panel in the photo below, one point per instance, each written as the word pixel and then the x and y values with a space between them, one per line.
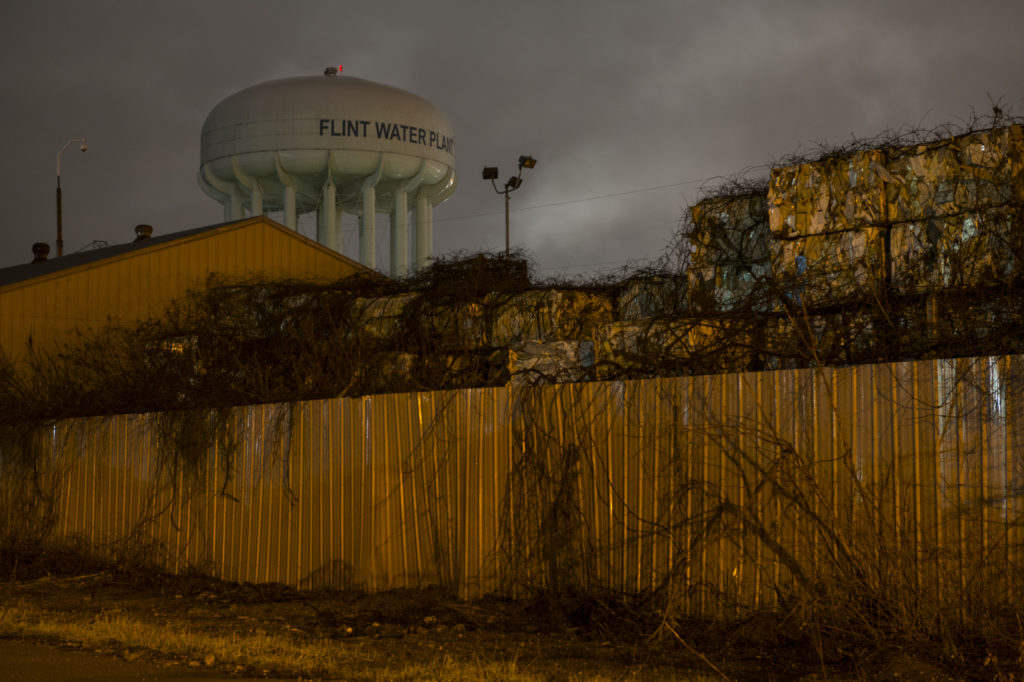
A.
pixel 726 491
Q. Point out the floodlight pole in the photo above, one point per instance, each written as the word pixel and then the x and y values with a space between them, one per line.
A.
pixel 511 185
pixel 60 226
pixel 507 190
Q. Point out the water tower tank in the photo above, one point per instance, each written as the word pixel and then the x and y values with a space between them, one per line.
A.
pixel 332 144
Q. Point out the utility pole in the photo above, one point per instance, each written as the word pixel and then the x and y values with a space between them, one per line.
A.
pixel 60 226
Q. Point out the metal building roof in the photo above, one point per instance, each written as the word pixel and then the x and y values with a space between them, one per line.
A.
pixel 16 274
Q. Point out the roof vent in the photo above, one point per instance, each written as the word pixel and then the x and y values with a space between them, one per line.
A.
pixel 143 232
pixel 40 251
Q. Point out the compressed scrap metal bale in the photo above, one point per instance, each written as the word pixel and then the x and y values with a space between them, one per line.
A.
pixel 647 297
pixel 989 325
pixel 730 229
pixel 498 361
pixel 722 344
pixel 460 325
pixel 297 301
pixel 962 174
pixel 824 268
pixel 728 286
pixel 380 318
pixel 631 346
pixel 546 315
pixel 463 370
pixel 544 362
pixel 242 310
pixel 883 186
pixel 395 371
pixel 957 251
pixel 845 337
pixel 657 347
pixel 731 253
pixel 388 372
pixel 829 195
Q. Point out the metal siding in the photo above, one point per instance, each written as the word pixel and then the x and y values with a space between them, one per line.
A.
pixel 679 475
pixel 143 284
pixel 1014 369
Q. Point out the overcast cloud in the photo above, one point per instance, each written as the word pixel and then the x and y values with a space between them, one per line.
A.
pixel 629 107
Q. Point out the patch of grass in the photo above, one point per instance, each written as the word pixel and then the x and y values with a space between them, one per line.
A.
pixel 277 654
pixel 281 653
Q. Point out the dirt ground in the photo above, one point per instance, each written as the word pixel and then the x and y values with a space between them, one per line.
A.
pixel 427 625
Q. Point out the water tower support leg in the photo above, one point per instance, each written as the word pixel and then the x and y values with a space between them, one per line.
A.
pixel 335 239
pixel 327 232
pixel 289 207
pixel 368 228
pixel 429 241
pixel 256 201
pixel 236 205
pixel 400 236
pixel 423 232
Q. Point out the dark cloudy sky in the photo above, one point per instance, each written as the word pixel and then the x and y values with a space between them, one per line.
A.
pixel 628 106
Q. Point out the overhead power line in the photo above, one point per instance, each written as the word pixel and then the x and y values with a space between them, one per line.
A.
pixel 560 203
pixel 573 201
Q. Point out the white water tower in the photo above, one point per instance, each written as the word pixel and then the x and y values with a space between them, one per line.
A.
pixel 332 144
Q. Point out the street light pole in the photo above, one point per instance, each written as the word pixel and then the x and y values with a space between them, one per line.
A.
pixel 511 185
pixel 60 226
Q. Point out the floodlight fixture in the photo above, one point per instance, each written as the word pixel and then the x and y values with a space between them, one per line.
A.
pixel 511 185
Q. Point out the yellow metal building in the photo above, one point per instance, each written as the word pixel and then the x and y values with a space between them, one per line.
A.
pixel 43 302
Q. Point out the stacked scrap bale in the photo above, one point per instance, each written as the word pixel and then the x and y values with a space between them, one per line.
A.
pixel 827 226
pixel 646 331
pixel 667 347
pixel 923 217
pixel 375 327
pixel 953 207
pixel 548 333
pixel 827 259
pixel 793 339
pixel 659 333
pixel 847 259
pixel 730 258
pixel 381 318
pixel 417 340
pixel 957 240
pixel 897 232
pixel 451 327
pixel 653 295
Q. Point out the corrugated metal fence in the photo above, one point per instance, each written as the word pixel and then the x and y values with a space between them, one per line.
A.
pixel 728 490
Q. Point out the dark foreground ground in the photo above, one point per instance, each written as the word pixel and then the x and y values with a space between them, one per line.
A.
pixel 32 662
pixel 536 639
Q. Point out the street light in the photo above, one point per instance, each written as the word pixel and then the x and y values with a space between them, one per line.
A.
pixel 60 228
pixel 511 185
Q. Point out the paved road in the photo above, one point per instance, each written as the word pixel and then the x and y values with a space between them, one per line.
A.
pixel 28 662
